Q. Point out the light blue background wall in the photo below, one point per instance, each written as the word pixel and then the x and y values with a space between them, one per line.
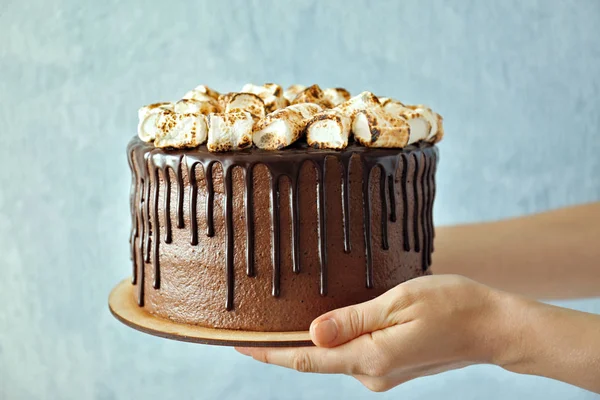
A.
pixel 518 83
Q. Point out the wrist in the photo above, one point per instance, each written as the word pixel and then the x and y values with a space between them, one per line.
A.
pixel 514 347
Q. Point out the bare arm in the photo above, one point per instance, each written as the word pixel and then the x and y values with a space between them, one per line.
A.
pixel 437 323
pixel 553 342
pixel 550 255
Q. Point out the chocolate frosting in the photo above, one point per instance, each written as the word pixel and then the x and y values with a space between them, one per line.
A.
pixel 153 168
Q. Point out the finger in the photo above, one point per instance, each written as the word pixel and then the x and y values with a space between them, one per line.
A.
pixel 311 359
pixel 351 358
pixel 342 325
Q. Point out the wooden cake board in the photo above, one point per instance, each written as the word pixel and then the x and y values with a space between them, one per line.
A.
pixel 123 306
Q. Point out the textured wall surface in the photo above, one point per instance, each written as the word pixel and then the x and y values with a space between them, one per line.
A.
pixel 518 83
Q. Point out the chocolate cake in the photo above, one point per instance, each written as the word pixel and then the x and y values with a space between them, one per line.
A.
pixel 268 239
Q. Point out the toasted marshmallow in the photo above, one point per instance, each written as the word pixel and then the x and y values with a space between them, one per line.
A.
pixel 192 106
pixel 375 128
pixel 328 129
pixel 292 91
pixel 372 126
pixel 180 130
pixel 418 119
pixel 284 126
pixel 384 100
pixel 312 94
pixel 336 96
pixel 246 102
pixel 148 116
pixel 434 138
pixel 262 114
pixel 361 102
pixel 200 90
pixel 224 99
pixel 391 105
pixel 229 131
pixel 270 93
pixel 431 117
pixel 203 97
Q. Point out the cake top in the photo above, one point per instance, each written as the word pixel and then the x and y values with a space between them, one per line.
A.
pixel 271 119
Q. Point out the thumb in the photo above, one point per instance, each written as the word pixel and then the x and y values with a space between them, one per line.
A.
pixel 344 324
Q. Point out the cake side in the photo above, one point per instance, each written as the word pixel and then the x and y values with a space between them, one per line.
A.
pixel 225 257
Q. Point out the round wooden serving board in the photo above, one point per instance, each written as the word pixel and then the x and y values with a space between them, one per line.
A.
pixel 124 308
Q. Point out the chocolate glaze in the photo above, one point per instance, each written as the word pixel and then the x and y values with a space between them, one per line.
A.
pixel 146 211
pixel 404 188
pixel 424 208
pixel 156 239
pixel 229 238
pixel 345 160
pixel 392 190
pixel 208 175
pixel 383 193
pixel 249 221
pixel 320 164
pixel 191 168
pixel 417 244
pixel 433 189
pixel 134 219
pixel 133 215
pixel 367 222
pixel 150 166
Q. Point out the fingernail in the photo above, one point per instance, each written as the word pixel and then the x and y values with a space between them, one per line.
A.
pixel 325 331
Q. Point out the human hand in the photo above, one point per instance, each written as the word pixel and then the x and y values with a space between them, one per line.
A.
pixel 421 327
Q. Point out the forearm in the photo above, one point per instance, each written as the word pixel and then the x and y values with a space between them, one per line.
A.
pixel 553 342
pixel 437 323
pixel 549 255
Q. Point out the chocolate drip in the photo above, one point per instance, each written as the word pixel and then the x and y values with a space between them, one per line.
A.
pixel 147 163
pixel 276 236
pixel 433 188
pixel 416 208
pixel 132 191
pixel 210 198
pixel 322 210
pixel 146 215
pixel 229 237
pixel 162 163
pixel 292 171
pixel 366 179
pixel 137 225
pixel 404 188
pixel 384 207
pixel 141 267
pixel 249 221
pixel 294 194
pixel 175 164
pixel 134 214
pixel 429 214
pixel 424 211
pixel 392 191
pixel 145 227
pixel 345 159
pixel 191 163
pixel 138 163
pixel 156 233
pixel 167 206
